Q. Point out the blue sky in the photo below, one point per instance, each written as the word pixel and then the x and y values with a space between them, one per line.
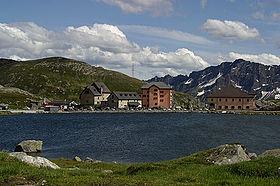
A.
pixel 158 36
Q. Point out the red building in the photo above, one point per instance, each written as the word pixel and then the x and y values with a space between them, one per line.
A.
pixel 157 94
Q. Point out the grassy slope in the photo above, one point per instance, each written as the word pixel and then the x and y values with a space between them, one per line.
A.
pixel 191 170
pixel 61 78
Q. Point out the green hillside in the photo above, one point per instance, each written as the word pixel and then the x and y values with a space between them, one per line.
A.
pixel 61 78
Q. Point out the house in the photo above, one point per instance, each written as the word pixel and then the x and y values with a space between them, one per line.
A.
pixel 95 94
pixel 124 100
pixel 231 98
pixel 63 105
pixel 157 94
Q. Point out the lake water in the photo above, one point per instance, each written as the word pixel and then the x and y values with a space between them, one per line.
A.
pixel 138 137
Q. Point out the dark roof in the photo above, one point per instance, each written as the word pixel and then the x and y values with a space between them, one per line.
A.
pixel 59 102
pixel 160 85
pixel 230 92
pixel 94 91
pixel 127 95
pixel 99 85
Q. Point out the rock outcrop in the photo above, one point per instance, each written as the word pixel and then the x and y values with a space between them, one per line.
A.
pixel 229 154
pixel 34 161
pixel 76 158
pixel 29 146
pixel 274 152
pixel 90 160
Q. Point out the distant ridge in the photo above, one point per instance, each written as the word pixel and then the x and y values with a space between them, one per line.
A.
pixel 249 76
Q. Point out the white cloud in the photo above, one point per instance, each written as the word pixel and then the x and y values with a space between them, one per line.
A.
pixel 99 44
pixel 165 33
pixel 230 30
pixel 156 7
pixel 267 59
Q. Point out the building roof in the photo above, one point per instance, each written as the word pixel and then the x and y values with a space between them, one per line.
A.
pixel 99 85
pixel 94 91
pixel 160 85
pixel 127 95
pixel 230 92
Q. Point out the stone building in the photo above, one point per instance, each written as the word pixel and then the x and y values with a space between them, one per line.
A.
pixel 124 100
pixel 231 98
pixel 95 94
pixel 157 94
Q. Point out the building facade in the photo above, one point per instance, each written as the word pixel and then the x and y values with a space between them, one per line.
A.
pixel 95 94
pixel 157 94
pixel 124 100
pixel 231 98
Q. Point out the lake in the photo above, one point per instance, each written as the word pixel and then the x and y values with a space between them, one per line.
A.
pixel 138 137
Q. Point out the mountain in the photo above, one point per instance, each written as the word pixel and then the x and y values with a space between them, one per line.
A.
pixel 249 76
pixel 61 78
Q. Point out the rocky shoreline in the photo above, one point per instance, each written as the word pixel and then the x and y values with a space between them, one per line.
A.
pixel 221 155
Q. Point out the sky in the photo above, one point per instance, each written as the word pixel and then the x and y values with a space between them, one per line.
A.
pixel 153 37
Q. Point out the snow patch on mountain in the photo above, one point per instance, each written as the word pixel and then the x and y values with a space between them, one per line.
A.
pixel 211 82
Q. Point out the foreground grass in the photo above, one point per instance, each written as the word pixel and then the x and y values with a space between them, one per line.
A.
pixel 191 170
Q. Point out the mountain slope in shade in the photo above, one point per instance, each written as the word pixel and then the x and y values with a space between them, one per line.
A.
pixel 249 76
pixel 61 78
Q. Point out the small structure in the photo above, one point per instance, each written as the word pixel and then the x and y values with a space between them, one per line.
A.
pixel 231 98
pixel 95 94
pixel 63 105
pixel 157 94
pixel 124 100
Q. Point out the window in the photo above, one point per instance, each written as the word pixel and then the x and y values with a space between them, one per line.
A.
pixel 212 100
pixel 134 94
pixel 232 100
pixel 87 101
pixel 226 100
pixel 155 94
pixel 247 100
pixel 161 100
pixel 226 107
pixel 239 107
pixel 155 103
pixel 239 100
pixel 155 98
pixel 155 90
pixel 247 107
pixel 220 99
pixel 161 96
pixel 125 94
pixel 120 94
pixel 144 96
pixel 232 107
pixel 161 91
pixel 86 92
pixel 220 107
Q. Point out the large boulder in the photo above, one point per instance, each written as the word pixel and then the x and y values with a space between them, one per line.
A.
pixel 34 161
pixel 274 152
pixel 29 146
pixel 229 154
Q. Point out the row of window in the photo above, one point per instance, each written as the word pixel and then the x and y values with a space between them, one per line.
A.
pixel 231 100
pixel 233 107
pixel 155 94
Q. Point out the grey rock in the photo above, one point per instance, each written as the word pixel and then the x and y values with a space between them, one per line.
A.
pixel 34 161
pixel 29 146
pixel 228 154
pixel 90 160
pixel 76 158
pixel 107 171
pixel 274 152
pixel 253 156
